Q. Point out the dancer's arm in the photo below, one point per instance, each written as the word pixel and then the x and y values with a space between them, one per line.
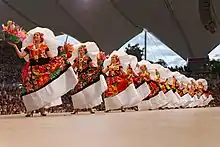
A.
pixel 122 70
pixel 91 64
pixel 19 53
pixel 105 70
pixel 74 65
pixel 49 54
pixel 134 73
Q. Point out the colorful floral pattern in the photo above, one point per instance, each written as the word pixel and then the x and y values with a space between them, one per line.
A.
pixel 201 90
pixel 164 87
pixel 116 81
pixel 154 86
pixel 181 91
pixel 37 76
pixel 87 73
pixel 132 77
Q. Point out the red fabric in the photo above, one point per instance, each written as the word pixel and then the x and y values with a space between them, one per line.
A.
pixel 24 71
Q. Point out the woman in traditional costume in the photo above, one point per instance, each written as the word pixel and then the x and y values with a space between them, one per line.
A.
pixel 179 85
pixel 164 100
pixel 152 100
pixel 131 76
pixel 192 88
pixel 91 84
pixel 165 87
pixel 174 85
pixel 100 60
pixel 121 91
pixel 182 93
pixel 203 93
pixel 44 78
pixel 141 87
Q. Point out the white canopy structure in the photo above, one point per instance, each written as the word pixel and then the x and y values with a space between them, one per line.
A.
pixel 189 27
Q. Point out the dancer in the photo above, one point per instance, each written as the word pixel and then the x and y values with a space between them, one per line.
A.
pixel 184 94
pixel 164 100
pixel 151 101
pixel 192 88
pixel 203 93
pixel 174 85
pixel 120 90
pixel 91 84
pixel 141 87
pixel 45 73
pixel 165 87
pixel 180 90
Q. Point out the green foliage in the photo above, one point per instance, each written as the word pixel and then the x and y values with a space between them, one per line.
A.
pixel 135 50
pixel 55 74
pixel 162 62
pixel 215 66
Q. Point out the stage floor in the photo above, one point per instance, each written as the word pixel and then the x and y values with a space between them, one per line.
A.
pixel 168 128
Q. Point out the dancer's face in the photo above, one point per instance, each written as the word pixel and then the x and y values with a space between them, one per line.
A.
pixel 82 51
pixel 113 59
pixel 143 68
pixel 182 85
pixel 129 70
pixel 37 38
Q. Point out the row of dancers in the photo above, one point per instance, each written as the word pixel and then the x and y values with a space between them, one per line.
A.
pixel 89 76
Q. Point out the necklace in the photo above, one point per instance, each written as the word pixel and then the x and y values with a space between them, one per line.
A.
pixel 81 62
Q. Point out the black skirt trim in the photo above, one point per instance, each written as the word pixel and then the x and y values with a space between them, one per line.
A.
pixel 119 92
pixel 183 94
pixel 149 97
pixel 139 84
pixel 67 67
pixel 89 84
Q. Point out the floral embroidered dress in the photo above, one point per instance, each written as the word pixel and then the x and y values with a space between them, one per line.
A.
pixel 181 90
pixel 132 77
pixel 192 91
pixel 204 95
pixel 141 87
pixel 116 82
pixel 200 90
pixel 41 70
pixel 91 83
pixel 154 87
pixel 174 86
pixel 87 73
pixel 165 87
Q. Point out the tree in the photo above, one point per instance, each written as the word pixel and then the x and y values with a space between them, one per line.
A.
pixel 135 50
pixel 215 66
pixel 162 62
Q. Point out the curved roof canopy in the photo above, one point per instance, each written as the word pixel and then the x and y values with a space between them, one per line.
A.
pixel 111 23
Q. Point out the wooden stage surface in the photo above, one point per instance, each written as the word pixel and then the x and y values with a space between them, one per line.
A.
pixel 168 128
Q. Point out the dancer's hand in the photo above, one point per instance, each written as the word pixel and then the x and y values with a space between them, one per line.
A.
pixel 12 44
pixel 111 67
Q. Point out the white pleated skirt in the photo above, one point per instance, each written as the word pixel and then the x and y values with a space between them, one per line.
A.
pixel 50 94
pixel 142 92
pixel 126 98
pixel 90 96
